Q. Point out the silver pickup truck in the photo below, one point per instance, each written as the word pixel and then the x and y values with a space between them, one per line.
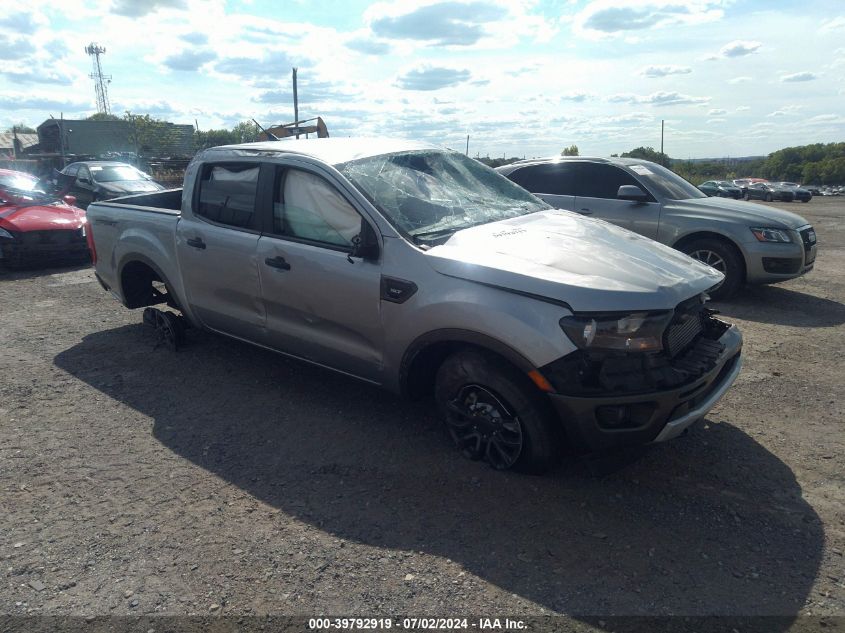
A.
pixel 415 268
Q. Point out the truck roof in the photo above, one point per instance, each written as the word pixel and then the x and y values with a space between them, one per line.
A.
pixel 333 151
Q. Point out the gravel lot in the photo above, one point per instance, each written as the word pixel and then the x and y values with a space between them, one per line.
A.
pixel 223 479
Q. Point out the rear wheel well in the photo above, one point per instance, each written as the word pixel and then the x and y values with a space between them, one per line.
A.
pixel 706 235
pixel 142 286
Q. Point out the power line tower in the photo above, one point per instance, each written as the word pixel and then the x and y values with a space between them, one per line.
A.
pixel 101 81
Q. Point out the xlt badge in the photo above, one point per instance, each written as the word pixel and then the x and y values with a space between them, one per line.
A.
pixel 397 290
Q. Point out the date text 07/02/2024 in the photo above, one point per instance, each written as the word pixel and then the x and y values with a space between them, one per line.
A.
pixel 481 624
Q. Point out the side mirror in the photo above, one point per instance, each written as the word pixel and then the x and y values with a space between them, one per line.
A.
pixel 365 244
pixel 71 200
pixel 632 193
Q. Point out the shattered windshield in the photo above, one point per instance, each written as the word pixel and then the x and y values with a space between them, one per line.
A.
pixel 433 193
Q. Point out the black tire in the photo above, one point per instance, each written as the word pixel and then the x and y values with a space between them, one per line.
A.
pixel 494 413
pixel 805 200
pixel 732 265
pixel 768 197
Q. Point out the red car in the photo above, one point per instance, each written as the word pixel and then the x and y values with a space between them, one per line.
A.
pixel 36 227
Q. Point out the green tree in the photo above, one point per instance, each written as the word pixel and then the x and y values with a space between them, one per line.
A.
pixel 103 116
pixel 572 150
pixel 246 132
pixel 647 153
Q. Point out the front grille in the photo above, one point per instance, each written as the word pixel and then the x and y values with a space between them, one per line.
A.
pixel 808 238
pixel 58 237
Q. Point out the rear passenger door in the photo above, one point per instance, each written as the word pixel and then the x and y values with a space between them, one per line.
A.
pixel 216 245
pixel 597 185
pixel 552 182
pixel 322 304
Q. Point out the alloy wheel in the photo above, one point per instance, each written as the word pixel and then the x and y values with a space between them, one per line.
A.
pixel 712 259
pixel 483 427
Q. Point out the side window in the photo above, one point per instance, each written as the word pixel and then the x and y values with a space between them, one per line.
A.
pixel 227 194
pixel 552 178
pixel 84 173
pixel 597 180
pixel 307 207
pixel 71 170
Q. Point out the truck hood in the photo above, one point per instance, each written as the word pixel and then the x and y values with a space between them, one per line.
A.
pixel 589 264
pixel 41 218
pixel 737 211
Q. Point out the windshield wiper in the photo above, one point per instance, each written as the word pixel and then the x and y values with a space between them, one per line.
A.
pixel 436 233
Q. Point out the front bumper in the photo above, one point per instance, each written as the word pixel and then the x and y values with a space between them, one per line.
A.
pixel 767 263
pixel 38 247
pixel 662 415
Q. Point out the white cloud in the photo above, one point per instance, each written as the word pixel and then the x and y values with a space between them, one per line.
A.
pixel 456 23
pixel 834 24
pixel 802 76
pixel 139 8
pixel 432 78
pixel 738 48
pixel 661 98
pixel 716 112
pixel 604 18
pixel 739 80
pixel 742 108
pixel 663 71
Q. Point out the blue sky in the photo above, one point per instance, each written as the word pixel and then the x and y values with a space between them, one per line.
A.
pixel 729 77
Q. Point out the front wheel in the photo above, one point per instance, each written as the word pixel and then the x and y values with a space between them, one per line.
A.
pixel 494 413
pixel 768 197
pixel 725 259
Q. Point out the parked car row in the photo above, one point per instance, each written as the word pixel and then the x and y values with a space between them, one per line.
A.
pixel 571 320
pixel 757 189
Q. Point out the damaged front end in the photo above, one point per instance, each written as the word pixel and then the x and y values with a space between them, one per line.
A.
pixel 671 371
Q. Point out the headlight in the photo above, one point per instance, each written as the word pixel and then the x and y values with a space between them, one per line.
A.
pixel 771 235
pixel 638 332
pixel 6 234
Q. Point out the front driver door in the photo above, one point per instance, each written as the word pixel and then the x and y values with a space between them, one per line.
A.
pixel 596 186
pixel 321 304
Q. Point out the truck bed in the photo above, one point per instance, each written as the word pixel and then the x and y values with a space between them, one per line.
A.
pixel 168 201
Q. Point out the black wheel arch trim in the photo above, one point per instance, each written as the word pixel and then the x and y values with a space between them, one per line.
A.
pixel 457 336
pixel 137 257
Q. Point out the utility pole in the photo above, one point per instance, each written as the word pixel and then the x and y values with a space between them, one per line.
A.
pixel 295 104
pixel 661 141
pixel 467 152
pixel 101 81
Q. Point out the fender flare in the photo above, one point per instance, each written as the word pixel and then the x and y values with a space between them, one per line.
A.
pixel 138 257
pixel 457 336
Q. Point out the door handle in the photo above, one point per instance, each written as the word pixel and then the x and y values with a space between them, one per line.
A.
pixel 585 212
pixel 196 242
pixel 277 262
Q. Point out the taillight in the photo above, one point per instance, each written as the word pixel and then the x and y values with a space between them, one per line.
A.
pixel 89 238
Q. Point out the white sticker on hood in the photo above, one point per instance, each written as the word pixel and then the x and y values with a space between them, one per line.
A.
pixel 642 170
